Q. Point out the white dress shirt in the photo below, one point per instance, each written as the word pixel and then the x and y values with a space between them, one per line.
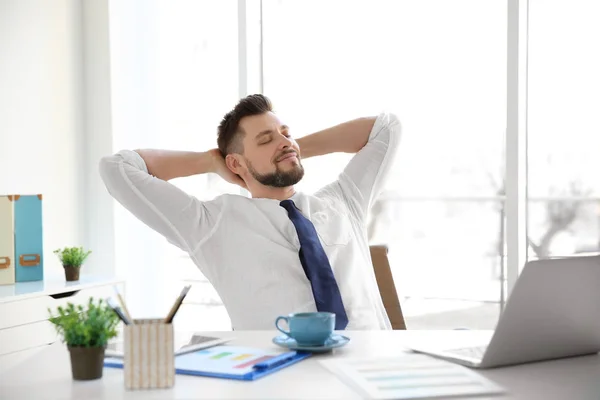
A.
pixel 248 248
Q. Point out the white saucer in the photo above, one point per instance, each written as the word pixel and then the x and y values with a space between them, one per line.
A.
pixel 330 344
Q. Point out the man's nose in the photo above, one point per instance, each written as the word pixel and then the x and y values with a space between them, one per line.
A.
pixel 285 142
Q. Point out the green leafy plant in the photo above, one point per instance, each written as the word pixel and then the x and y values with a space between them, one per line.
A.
pixel 90 326
pixel 72 256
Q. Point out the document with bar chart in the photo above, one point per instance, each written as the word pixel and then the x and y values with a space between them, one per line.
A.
pixel 410 376
pixel 230 362
pixel 233 362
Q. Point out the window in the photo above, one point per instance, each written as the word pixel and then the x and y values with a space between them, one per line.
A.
pixel 563 134
pixel 441 67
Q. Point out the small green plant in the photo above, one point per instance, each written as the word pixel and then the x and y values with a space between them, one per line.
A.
pixel 91 326
pixel 72 256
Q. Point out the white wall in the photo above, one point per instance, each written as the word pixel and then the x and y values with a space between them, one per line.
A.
pixel 52 126
pixel 41 114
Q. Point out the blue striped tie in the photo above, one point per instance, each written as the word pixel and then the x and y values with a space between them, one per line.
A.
pixel 316 267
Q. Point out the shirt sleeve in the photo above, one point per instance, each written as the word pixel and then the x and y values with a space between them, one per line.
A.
pixel 364 177
pixel 181 218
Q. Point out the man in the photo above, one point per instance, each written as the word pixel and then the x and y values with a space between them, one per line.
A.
pixel 279 251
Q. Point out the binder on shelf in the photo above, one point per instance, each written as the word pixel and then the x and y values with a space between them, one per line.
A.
pixel 21 239
pixel 29 246
pixel 7 242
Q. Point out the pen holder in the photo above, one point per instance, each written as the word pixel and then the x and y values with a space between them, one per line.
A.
pixel 149 360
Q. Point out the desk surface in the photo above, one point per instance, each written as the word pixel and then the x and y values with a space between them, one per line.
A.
pixel 44 373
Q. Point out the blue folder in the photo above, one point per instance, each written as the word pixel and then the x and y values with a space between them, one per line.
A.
pixel 225 361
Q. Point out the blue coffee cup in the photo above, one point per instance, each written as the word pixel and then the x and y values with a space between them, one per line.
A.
pixel 309 328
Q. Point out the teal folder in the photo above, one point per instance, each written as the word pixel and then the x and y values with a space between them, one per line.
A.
pixel 229 362
pixel 29 243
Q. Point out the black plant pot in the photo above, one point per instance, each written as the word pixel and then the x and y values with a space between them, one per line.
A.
pixel 87 363
pixel 71 272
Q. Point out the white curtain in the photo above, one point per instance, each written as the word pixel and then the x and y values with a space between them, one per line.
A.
pixel 174 75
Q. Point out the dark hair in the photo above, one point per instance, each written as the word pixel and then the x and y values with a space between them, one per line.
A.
pixel 229 132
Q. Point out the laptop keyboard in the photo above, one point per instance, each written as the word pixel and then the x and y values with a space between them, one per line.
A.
pixel 472 352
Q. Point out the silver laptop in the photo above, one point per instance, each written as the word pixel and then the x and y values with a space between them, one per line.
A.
pixel 553 312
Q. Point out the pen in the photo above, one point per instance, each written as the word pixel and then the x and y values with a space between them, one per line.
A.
pixel 123 305
pixel 177 304
pixel 117 311
pixel 276 361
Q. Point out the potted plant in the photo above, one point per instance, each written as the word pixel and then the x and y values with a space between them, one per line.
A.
pixel 72 259
pixel 86 331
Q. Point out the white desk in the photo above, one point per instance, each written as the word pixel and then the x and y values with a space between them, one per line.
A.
pixel 44 373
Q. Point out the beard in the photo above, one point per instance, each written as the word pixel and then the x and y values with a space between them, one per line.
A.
pixel 279 178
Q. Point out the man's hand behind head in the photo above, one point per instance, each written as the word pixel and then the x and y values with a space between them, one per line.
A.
pixel 219 167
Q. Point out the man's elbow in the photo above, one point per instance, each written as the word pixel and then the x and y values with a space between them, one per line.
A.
pixel 386 124
pixel 392 125
pixel 392 120
pixel 108 167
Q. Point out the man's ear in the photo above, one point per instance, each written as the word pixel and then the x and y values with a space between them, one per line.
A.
pixel 233 163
